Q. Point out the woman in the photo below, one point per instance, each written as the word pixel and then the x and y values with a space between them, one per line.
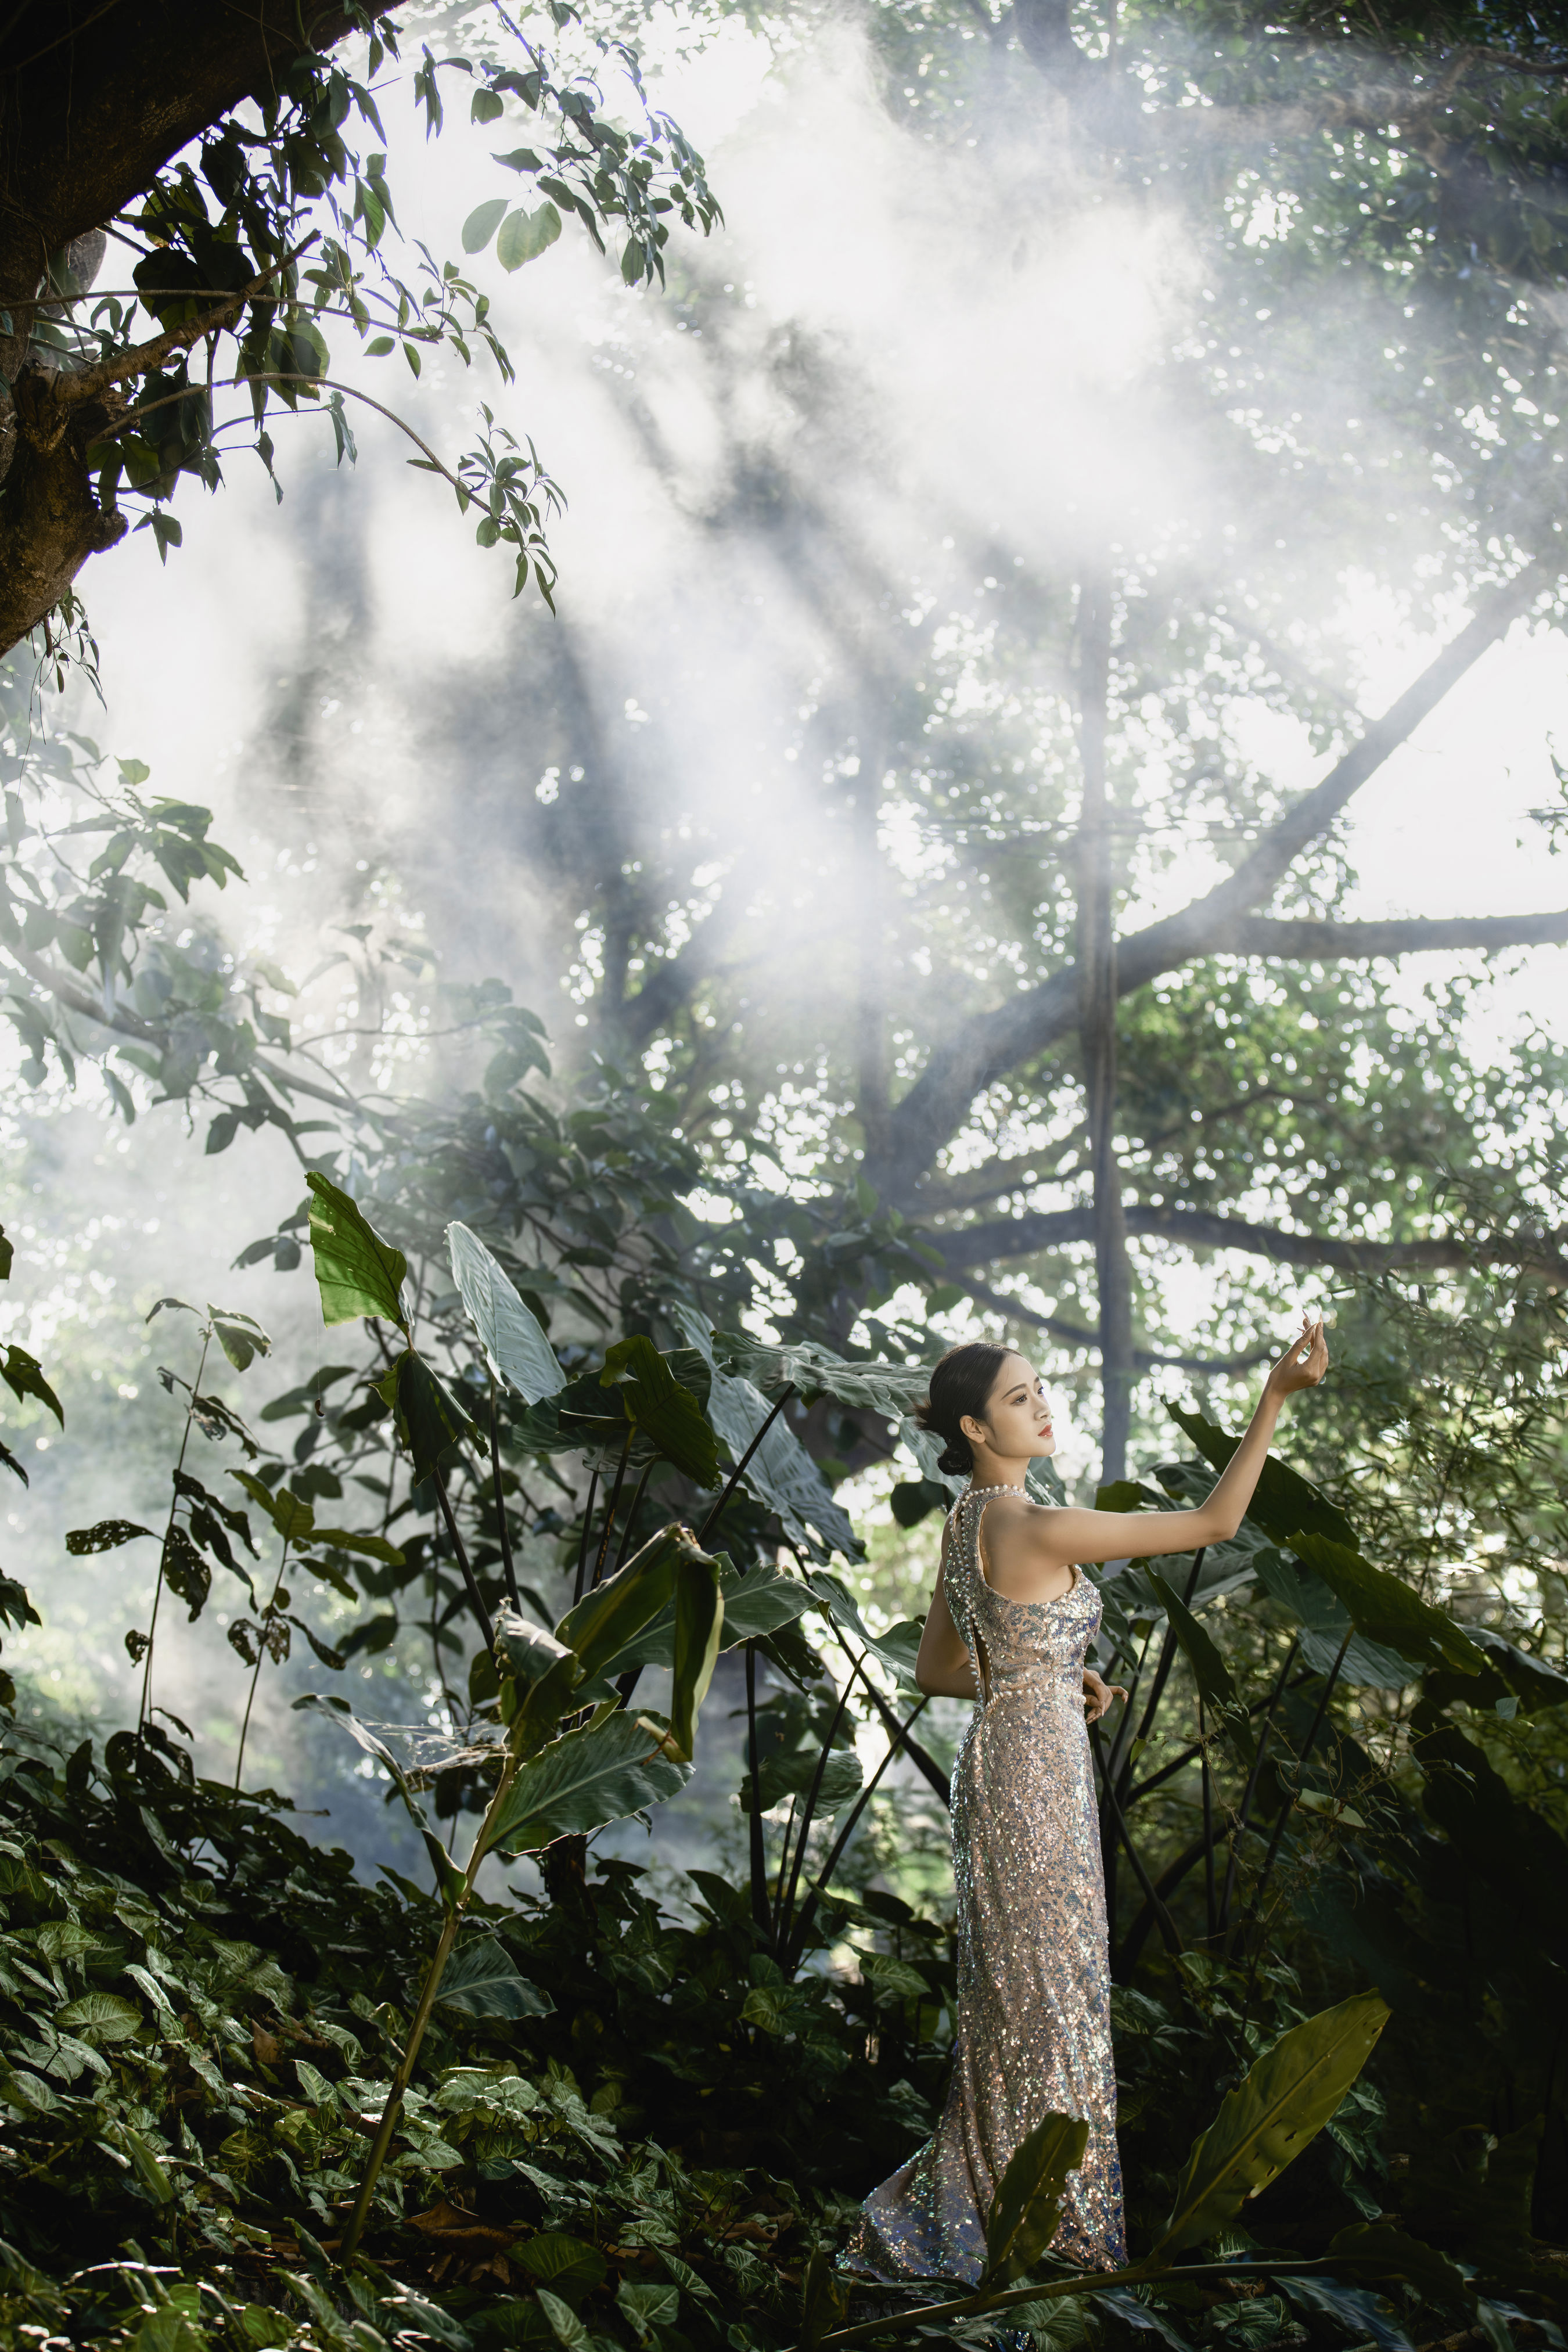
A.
pixel 1010 1626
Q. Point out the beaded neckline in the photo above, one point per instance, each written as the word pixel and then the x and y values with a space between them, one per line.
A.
pixel 972 1493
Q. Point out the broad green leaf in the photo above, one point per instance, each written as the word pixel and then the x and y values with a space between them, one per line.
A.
pixel 605 1619
pixel 482 224
pixel 1027 2208
pixel 482 1980
pixel 99 2017
pixel 1265 2123
pixel 350 1539
pixel 525 236
pixel 792 1774
pixel 1378 2255
pixel 1324 1622
pixel 897 1977
pixel 524 1650
pixel 1283 1504
pixel 610 1767
pixel 356 1272
pixel 293 1519
pixel 890 1389
pixel 513 1339
pixel 759 1602
pixel 824 2300
pixel 24 1376
pixel 699 1623
pixel 780 1473
pixel 664 1411
pixel 556 2259
pixel 240 1337
pixel 1209 1669
pixel 646 2307
pixel 565 2327
pixel 1385 1609
pixel 427 1419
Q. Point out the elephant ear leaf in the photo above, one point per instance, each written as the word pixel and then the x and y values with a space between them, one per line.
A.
pixel 1027 2205
pixel 512 1336
pixel 356 1272
pixel 480 1981
pixel 1265 2123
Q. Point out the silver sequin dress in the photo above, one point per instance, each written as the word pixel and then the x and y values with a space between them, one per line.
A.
pixel 1034 1982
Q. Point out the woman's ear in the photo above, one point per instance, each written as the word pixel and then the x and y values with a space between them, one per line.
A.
pixel 975 1431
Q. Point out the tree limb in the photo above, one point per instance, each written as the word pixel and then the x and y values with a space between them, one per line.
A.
pixel 1016 1237
pixel 1310 941
pixel 980 1050
pixel 1077 1335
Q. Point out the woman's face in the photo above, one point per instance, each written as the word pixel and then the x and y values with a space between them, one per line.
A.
pixel 1018 1423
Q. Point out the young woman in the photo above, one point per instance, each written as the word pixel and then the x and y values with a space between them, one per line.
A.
pixel 1010 1626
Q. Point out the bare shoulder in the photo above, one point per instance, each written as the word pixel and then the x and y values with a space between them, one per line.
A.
pixel 1027 1555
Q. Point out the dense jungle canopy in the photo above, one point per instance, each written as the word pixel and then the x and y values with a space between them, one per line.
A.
pixel 1001 973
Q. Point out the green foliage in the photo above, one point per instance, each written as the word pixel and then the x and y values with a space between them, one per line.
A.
pixel 1028 2200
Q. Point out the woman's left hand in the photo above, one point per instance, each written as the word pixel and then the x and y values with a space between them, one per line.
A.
pixel 1097 1694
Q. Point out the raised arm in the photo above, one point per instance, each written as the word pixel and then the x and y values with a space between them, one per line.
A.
pixel 1058 1538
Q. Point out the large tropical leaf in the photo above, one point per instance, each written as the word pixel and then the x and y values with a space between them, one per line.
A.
pixel 512 1338
pixel 1027 2205
pixel 1376 2253
pixel 791 1774
pixel 780 1473
pixel 338 1711
pixel 1385 1610
pixel 429 1420
pixel 1283 1503
pixel 356 1272
pixel 1265 2123
pixel 662 1409
pixel 614 1766
pixel 482 1980
pixel 890 1389
pixel 762 1601
pixel 698 1623
pixel 1324 1623
pixel 605 1621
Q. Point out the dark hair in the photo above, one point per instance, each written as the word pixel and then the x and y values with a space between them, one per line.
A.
pixel 960 1384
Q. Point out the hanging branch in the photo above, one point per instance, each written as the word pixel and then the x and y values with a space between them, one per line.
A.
pixel 145 1714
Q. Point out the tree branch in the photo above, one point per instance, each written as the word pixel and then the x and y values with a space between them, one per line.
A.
pixel 1016 1237
pixel 1077 1335
pixel 981 1049
pixel 1318 942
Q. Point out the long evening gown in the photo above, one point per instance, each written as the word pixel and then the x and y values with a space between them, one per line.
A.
pixel 1032 2021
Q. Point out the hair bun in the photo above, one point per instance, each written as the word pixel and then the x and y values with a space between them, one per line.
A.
pixel 956 1460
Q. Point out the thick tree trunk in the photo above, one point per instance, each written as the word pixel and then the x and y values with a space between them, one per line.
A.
pixel 1097 1024
pixel 87 117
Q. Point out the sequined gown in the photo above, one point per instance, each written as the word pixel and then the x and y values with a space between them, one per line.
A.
pixel 1034 1990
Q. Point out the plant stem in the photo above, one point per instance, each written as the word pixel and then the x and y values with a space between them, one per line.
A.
pixel 758 1855
pixel 421 2019
pixel 739 1471
pixel 809 1909
pixel 610 1514
pixel 1254 1908
pixel 145 1712
pixel 1146 1885
pixel 582 1547
pixel 811 1796
pixel 256 1671
pixel 626 1543
pixel 1250 1792
pixel 1211 1914
pixel 476 1601
pixel 926 2314
pixel 507 1569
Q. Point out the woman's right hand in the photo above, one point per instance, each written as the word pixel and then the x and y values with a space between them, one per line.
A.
pixel 1298 1371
